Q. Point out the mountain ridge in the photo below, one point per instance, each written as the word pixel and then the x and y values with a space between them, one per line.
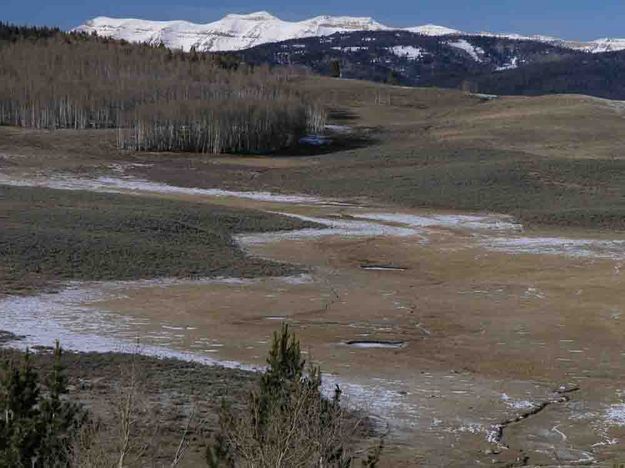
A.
pixel 236 32
pixel 479 64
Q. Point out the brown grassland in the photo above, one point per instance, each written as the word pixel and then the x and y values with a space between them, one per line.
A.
pixel 556 163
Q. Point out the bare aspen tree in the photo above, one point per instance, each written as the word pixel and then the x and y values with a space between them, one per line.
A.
pixel 157 100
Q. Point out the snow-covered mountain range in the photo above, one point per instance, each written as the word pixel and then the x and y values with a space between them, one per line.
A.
pixel 238 32
pixel 233 32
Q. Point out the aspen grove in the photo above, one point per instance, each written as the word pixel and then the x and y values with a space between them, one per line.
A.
pixel 157 99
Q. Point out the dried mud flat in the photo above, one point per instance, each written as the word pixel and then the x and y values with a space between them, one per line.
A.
pixel 502 347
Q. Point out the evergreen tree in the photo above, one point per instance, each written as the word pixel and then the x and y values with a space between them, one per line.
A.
pixel 335 69
pixel 38 426
pixel 19 395
pixel 288 422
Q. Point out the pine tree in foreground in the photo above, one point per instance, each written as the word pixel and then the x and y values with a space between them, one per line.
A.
pixel 38 426
pixel 287 421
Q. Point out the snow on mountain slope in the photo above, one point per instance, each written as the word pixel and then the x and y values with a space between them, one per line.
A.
pixel 475 52
pixel 233 32
pixel 408 52
pixel 237 32
pixel 604 45
pixel 433 30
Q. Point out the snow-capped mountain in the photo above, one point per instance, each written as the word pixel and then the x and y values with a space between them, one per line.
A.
pixel 233 32
pixel 239 32
pixel 603 45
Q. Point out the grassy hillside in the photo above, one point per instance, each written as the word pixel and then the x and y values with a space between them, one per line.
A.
pixel 58 235
pixel 548 160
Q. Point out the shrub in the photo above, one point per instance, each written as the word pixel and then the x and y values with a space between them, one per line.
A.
pixel 287 421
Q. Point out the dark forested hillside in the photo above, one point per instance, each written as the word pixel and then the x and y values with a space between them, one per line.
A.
pixel 158 99
pixel 601 75
pixel 485 64
pixel 13 33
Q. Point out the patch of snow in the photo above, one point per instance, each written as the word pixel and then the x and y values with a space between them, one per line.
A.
pixel 351 49
pixel 517 404
pixel 433 30
pixel 485 97
pixel 615 415
pixel 131 184
pixel 73 317
pixel 334 227
pixel 472 428
pixel 407 52
pixel 44 318
pixel 533 293
pixel 340 129
pixel 470 222
pixel 474 52
pixel 511 65
pixel 591 248
pixel 603 45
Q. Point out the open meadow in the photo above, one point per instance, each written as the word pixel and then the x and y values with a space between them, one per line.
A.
pixel 452 261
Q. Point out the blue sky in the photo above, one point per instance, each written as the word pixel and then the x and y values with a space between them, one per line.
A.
pixel 569 19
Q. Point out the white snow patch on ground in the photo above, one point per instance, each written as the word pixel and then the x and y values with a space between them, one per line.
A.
pixel 132 184
pixel 334 227
pixel 615 415
pixel 44 318
pixel 365 224
pixel 511 65
pixel 408 52
pixel 470 222
pixel 517 404
pixel 342 129
pixel 474 51
pixel 590 248
pixel 351 49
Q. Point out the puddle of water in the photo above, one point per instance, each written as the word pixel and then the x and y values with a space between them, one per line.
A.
pixel 382 268
pixel 374 344
pixel 315 140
